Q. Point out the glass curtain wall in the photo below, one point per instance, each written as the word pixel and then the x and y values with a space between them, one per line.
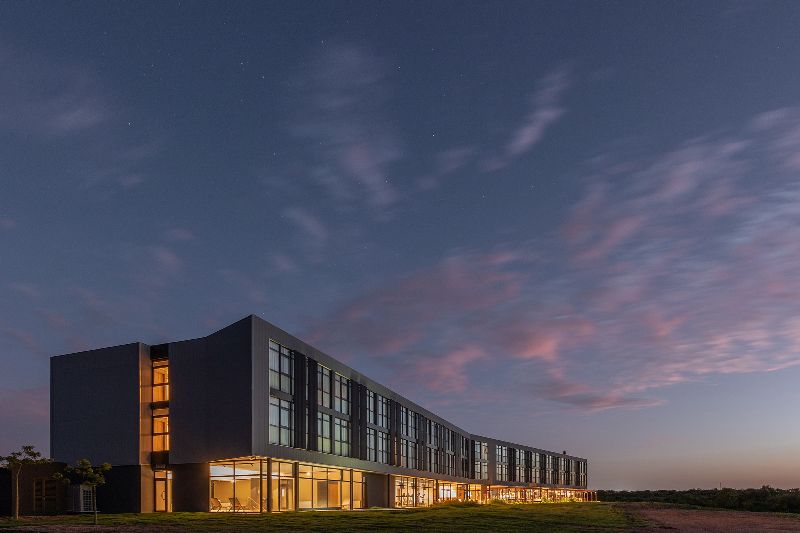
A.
pixel 243 486
pixel 236 487
pixel 413 491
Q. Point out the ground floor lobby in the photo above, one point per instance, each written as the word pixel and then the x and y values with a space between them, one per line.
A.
pixel 259 485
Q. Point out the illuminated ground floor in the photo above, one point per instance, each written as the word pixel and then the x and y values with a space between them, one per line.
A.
pixel 257 485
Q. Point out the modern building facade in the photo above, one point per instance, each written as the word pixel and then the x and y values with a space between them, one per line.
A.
pixel 252 419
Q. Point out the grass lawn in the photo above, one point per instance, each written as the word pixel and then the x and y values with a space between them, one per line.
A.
pixel 595 516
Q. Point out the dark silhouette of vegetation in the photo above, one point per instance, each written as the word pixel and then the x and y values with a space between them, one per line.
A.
pixel 85 474
pixel 764 499
pixel 15 462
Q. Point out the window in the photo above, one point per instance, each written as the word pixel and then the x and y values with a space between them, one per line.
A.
pixel 382 447
pixel 161 380
pixel 382 411
pixel 341 437
pixel 502 463
pixel 160 415
pixel 377 409
pixel 281 368
pixel 282 486
pixel 408 453
pixel 281 421
pixel 371 456
pixel 370 406
pixel 341 394
pixel 324 432
pixel 519 465
pixel 323 386
pixel 161 430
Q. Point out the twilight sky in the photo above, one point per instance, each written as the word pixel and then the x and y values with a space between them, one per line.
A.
pixel 569 224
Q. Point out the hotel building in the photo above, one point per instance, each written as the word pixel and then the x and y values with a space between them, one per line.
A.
pixel 252 419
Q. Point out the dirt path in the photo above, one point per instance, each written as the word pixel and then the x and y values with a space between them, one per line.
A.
pixel 665 518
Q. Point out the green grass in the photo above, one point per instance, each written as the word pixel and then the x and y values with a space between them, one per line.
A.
pixel 594 516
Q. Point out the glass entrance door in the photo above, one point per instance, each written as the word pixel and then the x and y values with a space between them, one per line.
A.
pixel 163 491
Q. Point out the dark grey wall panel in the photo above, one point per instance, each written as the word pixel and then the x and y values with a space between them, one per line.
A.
pixel 122 491
pixel 190 487
pixel 211 396
pixel 377 490
pixel 95 405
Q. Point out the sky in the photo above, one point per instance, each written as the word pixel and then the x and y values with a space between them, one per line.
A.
pixel 574 225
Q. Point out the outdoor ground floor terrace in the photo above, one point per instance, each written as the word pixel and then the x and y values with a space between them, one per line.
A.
pixel 253 485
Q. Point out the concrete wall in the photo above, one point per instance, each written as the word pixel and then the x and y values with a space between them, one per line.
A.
pixel 211 397
pixel 95 405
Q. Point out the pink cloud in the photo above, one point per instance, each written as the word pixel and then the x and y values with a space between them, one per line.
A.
pixel 694 257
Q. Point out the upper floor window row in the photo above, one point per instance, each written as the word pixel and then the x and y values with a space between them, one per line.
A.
pixel 281 368
pixel 377 409
pixel 333 390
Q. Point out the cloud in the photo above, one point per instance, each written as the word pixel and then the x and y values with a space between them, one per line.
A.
pixel 7 223
pixel 545 110
pixel 179 235
pixel 348 139
pixel 29 290
pixel 447 162
pixel 165 258
pixel 307 223
pixel 68 109
pixel 667 269
pixel 46 98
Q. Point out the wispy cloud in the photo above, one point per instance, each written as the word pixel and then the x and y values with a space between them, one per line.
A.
pixel 307 223
pixel 350 141
pixel 668 269
pixel 545 110
pixel 57 103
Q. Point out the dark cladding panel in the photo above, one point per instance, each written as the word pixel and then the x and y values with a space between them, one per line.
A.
pixel 377 490
pixel 95 405
pixel 211 396
pixel 301 425
pixel 190 487
pixel 312 404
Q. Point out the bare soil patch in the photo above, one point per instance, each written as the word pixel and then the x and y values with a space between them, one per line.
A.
pixel 691 520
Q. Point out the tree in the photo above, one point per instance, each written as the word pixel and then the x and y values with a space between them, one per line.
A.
pixel 15 462
pixel 85 474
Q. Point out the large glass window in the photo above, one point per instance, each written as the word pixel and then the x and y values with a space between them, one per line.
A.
pixel 281 368
pixel 323 386
pixel 377 409
pixel 161 429
pixel 408 453
pixel 341 437
pixel 382 447
pixel 501 473
pixel 413 491
pixel 324 488
pixel 281 421
pixel 282 486
pixel 236 487
pixel 341 394
pixel 161 380
pixel 519 465
pixel 324 432
pixel 160 413
pixel 371 455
